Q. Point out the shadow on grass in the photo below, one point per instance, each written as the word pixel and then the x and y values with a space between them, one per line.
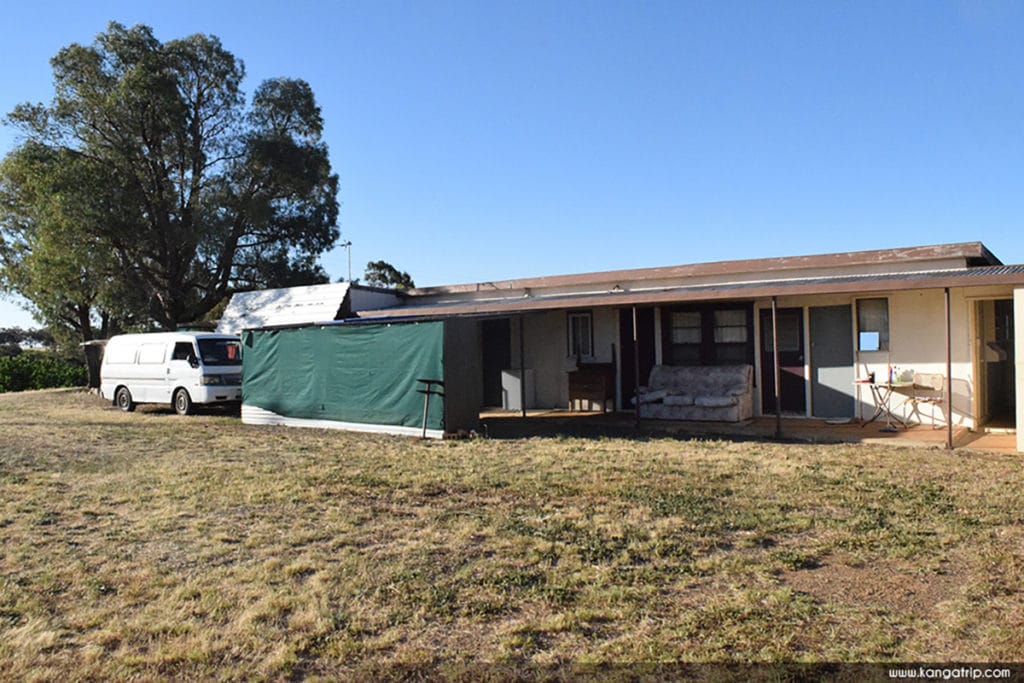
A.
pixel 159 410
pixel 600 426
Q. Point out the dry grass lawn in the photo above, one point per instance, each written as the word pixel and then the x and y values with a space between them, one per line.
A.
pixel 152 546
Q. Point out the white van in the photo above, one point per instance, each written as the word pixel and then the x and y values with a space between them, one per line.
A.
pixel 179 368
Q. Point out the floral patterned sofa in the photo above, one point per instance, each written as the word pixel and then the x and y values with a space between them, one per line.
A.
pixel 720 393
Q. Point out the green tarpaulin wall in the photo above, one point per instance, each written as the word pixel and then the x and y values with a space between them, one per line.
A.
pixel 348 373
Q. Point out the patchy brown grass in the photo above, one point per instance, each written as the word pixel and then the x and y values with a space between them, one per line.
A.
pixel 147 545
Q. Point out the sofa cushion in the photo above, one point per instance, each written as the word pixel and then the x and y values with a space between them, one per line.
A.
pixel 653 396
pixel 714 380
pixel 719 392
pixel 716 401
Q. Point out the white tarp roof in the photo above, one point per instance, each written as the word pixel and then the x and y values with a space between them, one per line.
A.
pixel 288 306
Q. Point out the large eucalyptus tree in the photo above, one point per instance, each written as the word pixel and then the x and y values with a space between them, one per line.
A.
pixel 150 177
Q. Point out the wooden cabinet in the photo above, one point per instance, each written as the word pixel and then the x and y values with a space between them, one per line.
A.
pixel 594 382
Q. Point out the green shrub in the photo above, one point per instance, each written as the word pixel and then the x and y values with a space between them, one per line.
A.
pixel 40 371
pixel 9 350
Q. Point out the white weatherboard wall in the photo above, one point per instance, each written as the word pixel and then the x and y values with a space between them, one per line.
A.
pixel 1018 345
pixel 362 299
pixel 917 333
pixel 547 351
pixel 544 347
pixel 917 343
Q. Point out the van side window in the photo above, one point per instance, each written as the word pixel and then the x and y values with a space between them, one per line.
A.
pixel 183 351
pixel 121 354
pixel 151 354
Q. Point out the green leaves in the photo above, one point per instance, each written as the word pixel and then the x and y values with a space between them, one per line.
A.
pixel 35 370
pixel 285 108
pixel 383 274
pixel 149 178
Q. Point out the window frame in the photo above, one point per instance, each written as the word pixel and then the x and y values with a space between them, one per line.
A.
pixel 191 351
pixel 709 351
pixel 572 347
pixel 728 325
pixel 206 345
pixel 883 331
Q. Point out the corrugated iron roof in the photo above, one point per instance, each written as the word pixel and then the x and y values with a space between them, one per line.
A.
pixel 283 307
pixel 970 253
pixel 960 277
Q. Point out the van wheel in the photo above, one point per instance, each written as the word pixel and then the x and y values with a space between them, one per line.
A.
pixel 123 399
pixel 182 402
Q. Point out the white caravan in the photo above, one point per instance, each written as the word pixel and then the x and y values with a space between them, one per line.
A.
pixel 179 368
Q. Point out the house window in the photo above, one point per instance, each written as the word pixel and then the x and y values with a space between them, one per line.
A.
pixel 731 335
pixel 709 334
pixel 687 335
pixel 581 334
pixel 873 324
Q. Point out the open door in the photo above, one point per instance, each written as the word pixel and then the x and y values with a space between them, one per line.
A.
pixel 496 338
pixel 645 337
pixel 791 361
pixel 996 388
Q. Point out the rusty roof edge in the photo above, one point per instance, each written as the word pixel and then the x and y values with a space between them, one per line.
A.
pixel 710 286
pixel 965 250
pixel 987 255
pixel 974 277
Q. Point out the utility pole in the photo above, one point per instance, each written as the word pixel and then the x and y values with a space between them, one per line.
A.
pixel 347 245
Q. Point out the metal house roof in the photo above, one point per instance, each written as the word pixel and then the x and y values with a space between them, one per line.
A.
pixel 958 277
pixel 287 306
pixel 968 253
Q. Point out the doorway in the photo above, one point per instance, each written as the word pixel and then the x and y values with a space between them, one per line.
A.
pixel 793 386
pixel 496 337
pixel 996 391
pixel 645 343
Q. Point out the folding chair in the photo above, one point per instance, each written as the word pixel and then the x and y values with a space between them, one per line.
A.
pixel 927 390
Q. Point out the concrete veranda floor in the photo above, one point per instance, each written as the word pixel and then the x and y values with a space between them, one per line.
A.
pixel 508 424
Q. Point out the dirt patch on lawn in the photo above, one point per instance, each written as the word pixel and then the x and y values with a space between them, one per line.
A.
pixel 881 585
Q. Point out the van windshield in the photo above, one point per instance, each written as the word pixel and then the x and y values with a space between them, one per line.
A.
pixel 220 351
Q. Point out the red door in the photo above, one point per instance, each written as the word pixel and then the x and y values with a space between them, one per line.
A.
pixel 791 361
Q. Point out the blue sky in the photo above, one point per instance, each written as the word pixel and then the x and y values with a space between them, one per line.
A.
pixel 479 141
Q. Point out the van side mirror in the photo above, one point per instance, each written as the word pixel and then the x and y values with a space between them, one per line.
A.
pixel 193 361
